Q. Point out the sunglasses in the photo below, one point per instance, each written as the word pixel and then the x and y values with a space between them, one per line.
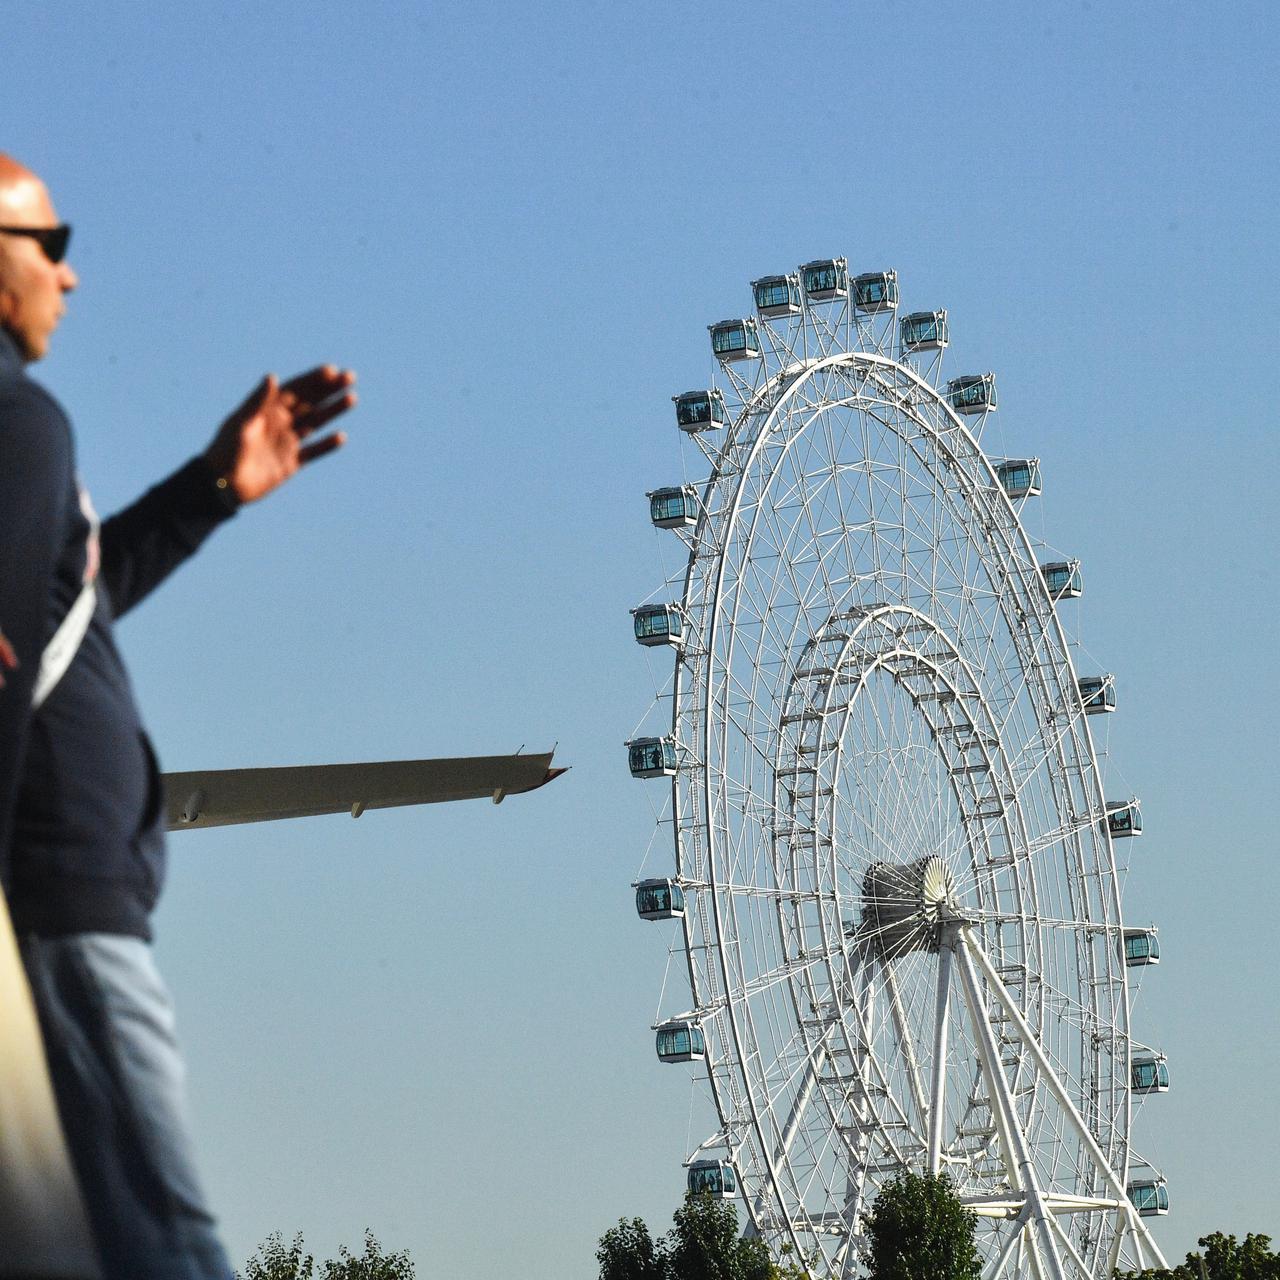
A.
pixel 52 240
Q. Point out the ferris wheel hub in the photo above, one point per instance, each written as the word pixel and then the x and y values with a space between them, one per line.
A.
pixel 906 906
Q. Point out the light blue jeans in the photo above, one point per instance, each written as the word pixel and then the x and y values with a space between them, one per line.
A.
pixel 108 1027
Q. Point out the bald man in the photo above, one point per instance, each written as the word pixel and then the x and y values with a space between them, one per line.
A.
pixel 81 814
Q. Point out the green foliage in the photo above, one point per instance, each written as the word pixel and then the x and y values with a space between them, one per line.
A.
pixel 704 1243
pixel 373 1264
pixel 627 1252
pixel 917 1228
pixel 1224 1258
pixel 273 1260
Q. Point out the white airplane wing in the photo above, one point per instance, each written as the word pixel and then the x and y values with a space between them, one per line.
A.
pixel 223 797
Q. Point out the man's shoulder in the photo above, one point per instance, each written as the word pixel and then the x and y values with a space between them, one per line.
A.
pixel 33 426
pixel 26 408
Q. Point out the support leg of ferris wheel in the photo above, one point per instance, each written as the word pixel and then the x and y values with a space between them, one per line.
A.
pixel 860 976
pixel 971 951
pixel 1041 1239
pixel 939 1082
pixel 906 1042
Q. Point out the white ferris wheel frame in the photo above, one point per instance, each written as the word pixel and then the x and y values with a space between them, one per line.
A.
pixel 753 1131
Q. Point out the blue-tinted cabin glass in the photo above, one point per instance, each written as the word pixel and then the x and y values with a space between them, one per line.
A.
pixel 731 338
pixel 1145 1075
pixel 976 394
pixel 647 756
pixel 653 898
pixel 776 293
pixel 1162 1198
pixel 823 279
pixel 1140 946
pixel 656 622
pixel 1058 579
pixel 876 292
pixel 673 1042
pixel 668 755
pixel 924 329
pixel 1144 1196
pixel 728 1179
pixel 666 506
pixel 1126 819
pixel 1015 479
pixel 693 410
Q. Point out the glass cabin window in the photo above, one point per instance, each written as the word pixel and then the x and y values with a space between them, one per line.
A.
pixel 1125 821
pixel 779 292
pixel 662 621
pixel 827 277
pixel 661 897
pixel 692 411
pixel 925 329
pixel 974 393
pixel 1141 947
pixel 876 291
pixel 726 340
pixel 667 505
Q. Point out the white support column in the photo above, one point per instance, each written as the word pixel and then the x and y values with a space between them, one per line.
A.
pixel 971 948
pixel 812 1068
pixel 905 1040
pixel 938 1090
pixel 1044 1240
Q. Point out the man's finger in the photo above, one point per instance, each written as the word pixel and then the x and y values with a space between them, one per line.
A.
pixel 318 448
pixel 257 397
pixel 319 383
pixel 311 420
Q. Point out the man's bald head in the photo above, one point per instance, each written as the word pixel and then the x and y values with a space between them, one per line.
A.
pixel 31 287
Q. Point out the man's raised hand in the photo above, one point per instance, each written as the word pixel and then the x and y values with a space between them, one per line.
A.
pixel 274 432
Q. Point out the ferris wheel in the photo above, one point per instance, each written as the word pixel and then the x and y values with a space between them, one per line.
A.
pixel 895 868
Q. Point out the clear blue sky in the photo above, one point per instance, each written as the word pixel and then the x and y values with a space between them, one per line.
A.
pixel 515 222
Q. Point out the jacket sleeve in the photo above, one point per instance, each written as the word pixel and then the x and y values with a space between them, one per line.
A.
pixel 145 542
pixel 35 487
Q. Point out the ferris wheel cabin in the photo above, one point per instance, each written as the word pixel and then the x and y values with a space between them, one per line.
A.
pixel 875 291
pixel 1063 579
pixel 700 411
pixel 1124 818
pixel 1141 946
pixel 1019 477
pixel 681 1041
pixel 826 279
pixel 777 296
pixel 924 331
pixel 1149 1075
pixel 652 757
pixel 659 900
pixel 715 1178
pixel 1150 1197
pixel 735 340
pixel 673 508
pixel 972 393
pixel 1097 693
pixel 659 624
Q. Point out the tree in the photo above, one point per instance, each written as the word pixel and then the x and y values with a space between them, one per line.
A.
pixel 273 1260
pixel 1224 1258
pixel 373 1264
pixel 627 1252
pixel 704 1243
pixel 918 1227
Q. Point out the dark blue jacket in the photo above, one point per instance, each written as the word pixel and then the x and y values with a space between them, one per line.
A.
pixel 81 812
